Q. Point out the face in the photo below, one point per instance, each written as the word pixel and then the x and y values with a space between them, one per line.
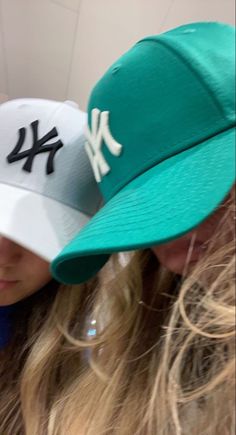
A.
pixel 181 254
pixel 22 273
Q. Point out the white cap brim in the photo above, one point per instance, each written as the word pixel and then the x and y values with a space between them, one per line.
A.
pixel 40 224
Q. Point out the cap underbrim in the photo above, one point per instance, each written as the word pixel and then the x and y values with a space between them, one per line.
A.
pixel 161 204
pixel 38 223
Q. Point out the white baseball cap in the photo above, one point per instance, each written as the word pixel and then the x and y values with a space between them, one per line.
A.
pixel 47 188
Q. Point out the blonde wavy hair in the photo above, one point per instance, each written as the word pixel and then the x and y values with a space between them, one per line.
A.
pixel 162 361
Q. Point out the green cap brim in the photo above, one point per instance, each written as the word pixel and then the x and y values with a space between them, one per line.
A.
pixel 159 205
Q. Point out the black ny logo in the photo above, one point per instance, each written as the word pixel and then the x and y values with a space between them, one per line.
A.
pixel 39 146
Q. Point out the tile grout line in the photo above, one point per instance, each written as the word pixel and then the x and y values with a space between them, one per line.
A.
pixel 166 15
pixel 55 2
pixel 73 48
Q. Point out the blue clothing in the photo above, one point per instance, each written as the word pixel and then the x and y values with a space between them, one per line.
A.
pixel 8 313
pixel 5 324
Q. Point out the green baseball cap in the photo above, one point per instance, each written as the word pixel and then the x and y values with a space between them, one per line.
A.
pixel 161 142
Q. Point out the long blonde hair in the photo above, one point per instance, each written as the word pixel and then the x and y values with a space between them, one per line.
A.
pixel 162 361
pixel 37 361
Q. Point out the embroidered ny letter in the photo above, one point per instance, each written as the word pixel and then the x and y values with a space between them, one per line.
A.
pixel 100 132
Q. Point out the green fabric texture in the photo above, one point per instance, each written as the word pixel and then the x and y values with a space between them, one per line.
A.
pixel 171 104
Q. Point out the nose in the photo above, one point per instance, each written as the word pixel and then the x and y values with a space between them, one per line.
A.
pixel 10 252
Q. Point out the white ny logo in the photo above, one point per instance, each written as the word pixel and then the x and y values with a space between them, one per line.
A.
pixel 100 132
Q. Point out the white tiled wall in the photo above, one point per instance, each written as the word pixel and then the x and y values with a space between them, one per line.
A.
pixel 106 29
pixel 3 63
pixel 72 5
pixel 197 10
pixel 51 47
pixel 15 34
pixel 59 48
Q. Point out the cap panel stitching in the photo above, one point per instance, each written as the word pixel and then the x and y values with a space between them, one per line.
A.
pixel 181 57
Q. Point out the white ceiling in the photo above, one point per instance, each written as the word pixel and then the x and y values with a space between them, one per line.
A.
pixel 58 48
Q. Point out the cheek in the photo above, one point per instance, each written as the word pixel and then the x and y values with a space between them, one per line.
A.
pixel 174 256
pixel 161 253
pixel 37 273
pixel 33 276
pixel 207 229
pixel 171 258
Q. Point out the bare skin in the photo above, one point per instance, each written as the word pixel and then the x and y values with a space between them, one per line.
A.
pixel 190 247
pixel 22 273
